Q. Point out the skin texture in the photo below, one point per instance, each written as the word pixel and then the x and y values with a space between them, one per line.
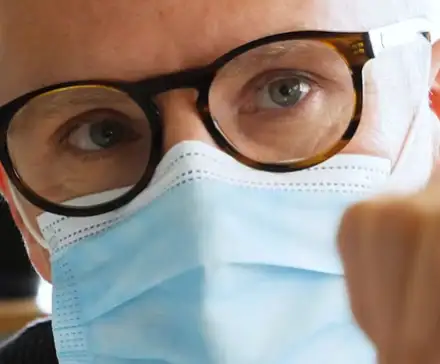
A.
pixel 50 41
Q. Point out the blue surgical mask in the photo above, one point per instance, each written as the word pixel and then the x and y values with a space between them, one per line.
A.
pixel 215 263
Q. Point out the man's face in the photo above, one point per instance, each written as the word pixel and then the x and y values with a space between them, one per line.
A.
pixel 50 41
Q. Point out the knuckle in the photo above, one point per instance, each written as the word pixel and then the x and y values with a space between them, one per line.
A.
pixel 387 215
pixel 401 219
pixel 403 212
pixel 405 221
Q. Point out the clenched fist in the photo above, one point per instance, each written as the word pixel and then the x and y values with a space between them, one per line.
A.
pixel 391 253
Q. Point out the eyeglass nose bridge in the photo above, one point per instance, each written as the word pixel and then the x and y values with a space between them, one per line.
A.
pixel 197 79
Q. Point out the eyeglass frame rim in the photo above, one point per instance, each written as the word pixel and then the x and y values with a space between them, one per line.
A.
pixel 201 79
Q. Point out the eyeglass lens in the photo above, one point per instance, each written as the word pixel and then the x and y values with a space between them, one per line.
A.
pixel 279 103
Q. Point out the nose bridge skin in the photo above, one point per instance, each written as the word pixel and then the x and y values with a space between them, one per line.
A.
pixel 180 118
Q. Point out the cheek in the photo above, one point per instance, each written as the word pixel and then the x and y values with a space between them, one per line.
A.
pixel 393 95
pixel 25 215
pixel 32 213
pixel 39 256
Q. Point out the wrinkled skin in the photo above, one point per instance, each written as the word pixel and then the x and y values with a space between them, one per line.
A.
pixel 52 41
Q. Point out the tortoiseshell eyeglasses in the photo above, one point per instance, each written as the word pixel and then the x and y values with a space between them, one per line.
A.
pixel 282 103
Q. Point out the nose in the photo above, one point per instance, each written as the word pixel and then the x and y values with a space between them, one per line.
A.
pixel 180 119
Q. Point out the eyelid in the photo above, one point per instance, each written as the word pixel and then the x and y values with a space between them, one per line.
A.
pixel 60 136
pixel 269 76
pixel 265 96
pixel 256 84
pixel 264 80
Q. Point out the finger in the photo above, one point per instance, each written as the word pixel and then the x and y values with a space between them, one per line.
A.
pixel 400 357
pixel 391 254
pixel 422 309
pixel 377 276
pixel 352 238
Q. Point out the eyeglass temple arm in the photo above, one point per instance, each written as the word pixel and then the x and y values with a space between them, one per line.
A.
pixel 401 33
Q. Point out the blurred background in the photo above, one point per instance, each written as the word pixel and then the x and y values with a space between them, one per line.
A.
pixel 24 297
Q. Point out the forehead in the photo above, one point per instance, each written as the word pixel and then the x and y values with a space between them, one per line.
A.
pixel 50 41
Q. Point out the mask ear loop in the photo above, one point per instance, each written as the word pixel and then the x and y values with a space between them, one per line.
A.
pixel 26 222
pixel 419 144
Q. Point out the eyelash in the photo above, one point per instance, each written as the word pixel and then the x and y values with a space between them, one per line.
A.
pixel 61 136
pixel 267 77
pixel 258 83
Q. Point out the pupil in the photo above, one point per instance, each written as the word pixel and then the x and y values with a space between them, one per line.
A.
pixel 286 92
pixel 106 133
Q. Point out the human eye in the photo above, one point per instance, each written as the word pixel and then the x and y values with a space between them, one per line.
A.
pixel 284 101
pixel 88 139
pixel 99 130
pixel 284 92
pixel 277 91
